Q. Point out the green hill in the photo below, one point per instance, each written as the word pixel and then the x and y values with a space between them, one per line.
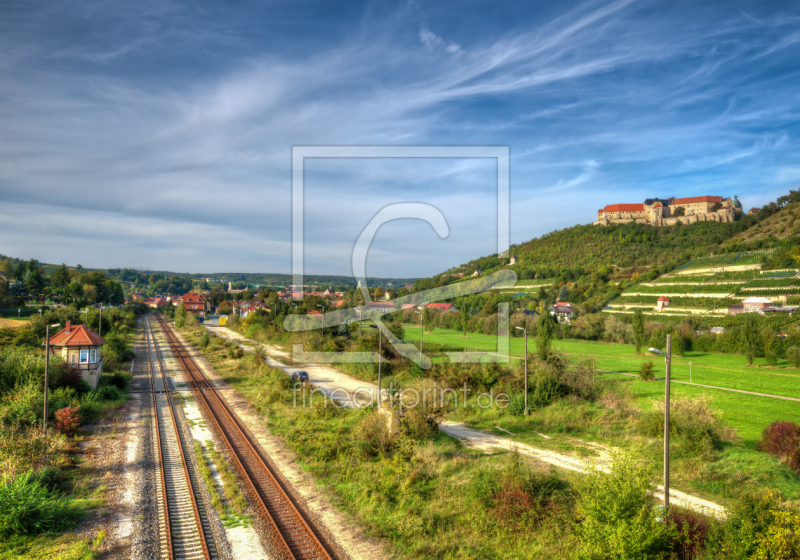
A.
pixel 597 263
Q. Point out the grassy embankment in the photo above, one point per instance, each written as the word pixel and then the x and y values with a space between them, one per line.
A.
pixel 423 492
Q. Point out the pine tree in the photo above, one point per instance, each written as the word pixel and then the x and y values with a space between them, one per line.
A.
pixel 563 294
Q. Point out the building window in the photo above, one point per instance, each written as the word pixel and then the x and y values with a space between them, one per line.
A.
pixel 93 356
pixel 84 356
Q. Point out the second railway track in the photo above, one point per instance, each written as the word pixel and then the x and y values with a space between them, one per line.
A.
pixel 296 536
pixel 184 530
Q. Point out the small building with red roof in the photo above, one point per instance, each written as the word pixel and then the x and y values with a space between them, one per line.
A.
pixel 195 304
pixel 442 306
pixel 79 347
pixel 662 303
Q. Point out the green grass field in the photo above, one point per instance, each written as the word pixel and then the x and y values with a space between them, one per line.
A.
pixel 749 414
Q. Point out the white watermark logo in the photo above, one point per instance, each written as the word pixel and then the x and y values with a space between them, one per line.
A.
pixel 401 210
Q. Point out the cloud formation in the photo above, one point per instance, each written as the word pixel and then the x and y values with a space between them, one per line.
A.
pixel 125 125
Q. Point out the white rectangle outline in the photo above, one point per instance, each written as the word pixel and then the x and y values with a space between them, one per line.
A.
pixel 300 153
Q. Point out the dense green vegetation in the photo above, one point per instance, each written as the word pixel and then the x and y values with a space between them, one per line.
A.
pixel 431 498
pixel 41 493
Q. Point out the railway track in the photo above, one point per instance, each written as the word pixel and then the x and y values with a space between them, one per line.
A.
pixel 184 530
pixel 297 538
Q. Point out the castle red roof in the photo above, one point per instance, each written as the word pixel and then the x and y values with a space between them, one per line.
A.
pixel 692 199
pixel 76 335
pixel 625 208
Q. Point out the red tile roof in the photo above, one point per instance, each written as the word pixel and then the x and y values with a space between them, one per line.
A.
pixel 663 298
pixel 693 199
pixel 76 335
pixel 624 208
pixel 445 306
pixel 315 313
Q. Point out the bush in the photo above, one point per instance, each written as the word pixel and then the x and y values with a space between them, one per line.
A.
pixel 646 371
pixel 688 533
pixel 695 426
pixel 617 519
pixel 793 355
pixel 119 381
pixel 782 440
pixel 373 435
pixel 28 507
pixel 110 393
pixel 204 340
pixel 516 407
pixel 68 420
pixel 782 539
pixel 772 358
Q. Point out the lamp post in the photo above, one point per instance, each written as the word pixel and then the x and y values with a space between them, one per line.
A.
pixel 421 328
pixel 46 382
pixel 380 353
pixel 525 331
pixel 668 360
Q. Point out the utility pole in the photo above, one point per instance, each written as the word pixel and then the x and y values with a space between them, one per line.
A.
pixel 380 353
pixel 525 331
pixel 666 425
pixel 668 360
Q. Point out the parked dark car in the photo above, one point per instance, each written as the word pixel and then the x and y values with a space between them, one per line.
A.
pixel 300 376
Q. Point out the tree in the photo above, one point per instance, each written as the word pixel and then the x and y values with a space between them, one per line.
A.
pixel 639 332
pixel 679 211
pixel 563 294
pixel 34 283
pixel 750 337
pixel 426 319
pixel 793 355
pixel 180 313
pixel 60 278
pixel 768 338
pixel 716 207
pixel 545 331
pixel 678 346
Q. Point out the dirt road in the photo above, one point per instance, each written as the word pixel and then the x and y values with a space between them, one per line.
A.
pixel 327 379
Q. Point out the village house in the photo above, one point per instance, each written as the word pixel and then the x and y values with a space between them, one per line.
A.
pixel 717 330
pixel 79 347
pixel 753 211
pixel 756 304
pixel 195 303
pixel 562 311
pixel 382 306
pixel 443 306
pixel 736 308
pixel 662 303
pixel 157 302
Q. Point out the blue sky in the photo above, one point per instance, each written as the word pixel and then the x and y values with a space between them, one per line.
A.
pixel 159 134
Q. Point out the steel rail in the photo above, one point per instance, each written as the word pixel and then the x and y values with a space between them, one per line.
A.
pixel 191 486
pixel 222 415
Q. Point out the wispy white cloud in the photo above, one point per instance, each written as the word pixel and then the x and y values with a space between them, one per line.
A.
pixel 178 118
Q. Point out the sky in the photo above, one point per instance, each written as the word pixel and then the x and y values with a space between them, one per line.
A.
pixel 159 134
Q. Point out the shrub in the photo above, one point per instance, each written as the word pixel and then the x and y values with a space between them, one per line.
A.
pixel 68 420
pixel 782 440
pixel 617 519
pixel 646 371
pixel 373 435
pixel 793 355
pixel 516 407
pixel 110 393
pixel 119 381
pixel 772 358
pixel 782 539
pixel 696 426
pixel 28 507
pixel 204 339
pixel 688 533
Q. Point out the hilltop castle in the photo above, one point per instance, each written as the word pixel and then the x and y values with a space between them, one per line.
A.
pixel 668 211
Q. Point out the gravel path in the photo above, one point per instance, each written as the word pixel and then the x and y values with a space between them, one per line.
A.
pixel 328 378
